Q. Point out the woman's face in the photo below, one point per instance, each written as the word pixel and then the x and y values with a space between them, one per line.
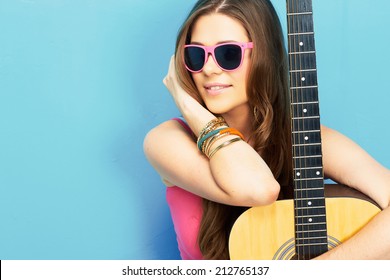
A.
pixel 222 91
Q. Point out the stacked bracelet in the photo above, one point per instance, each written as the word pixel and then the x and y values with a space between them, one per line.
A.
pixel 213 131
pixel 224 144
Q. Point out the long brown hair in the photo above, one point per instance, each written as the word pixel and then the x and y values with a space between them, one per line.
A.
pixel 267 91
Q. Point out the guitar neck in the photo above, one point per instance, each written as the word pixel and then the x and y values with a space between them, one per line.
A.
pixel 309 199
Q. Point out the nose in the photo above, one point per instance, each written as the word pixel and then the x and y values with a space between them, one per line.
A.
pixel 211 67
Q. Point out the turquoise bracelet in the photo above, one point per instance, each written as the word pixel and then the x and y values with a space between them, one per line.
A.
pixel 208 135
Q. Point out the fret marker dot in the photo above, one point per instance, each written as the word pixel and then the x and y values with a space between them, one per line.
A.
pixel 306 138
pixel 309 203
pixel 305 110
pixel 303 79
pixel 301 44
pixel 298 174
pixel 318 173
pixel 310 220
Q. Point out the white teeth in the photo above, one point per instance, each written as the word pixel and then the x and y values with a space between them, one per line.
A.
pixel 216 87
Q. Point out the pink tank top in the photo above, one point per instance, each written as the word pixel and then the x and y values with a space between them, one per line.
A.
pixel 186 212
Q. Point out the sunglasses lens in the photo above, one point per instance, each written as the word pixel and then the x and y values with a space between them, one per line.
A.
pixel 194 58
pixel 228 56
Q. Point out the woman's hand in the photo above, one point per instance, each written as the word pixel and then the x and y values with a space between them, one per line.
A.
pixel 172 83
pixel 195 114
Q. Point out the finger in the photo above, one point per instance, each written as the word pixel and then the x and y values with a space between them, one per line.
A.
pixel 172 64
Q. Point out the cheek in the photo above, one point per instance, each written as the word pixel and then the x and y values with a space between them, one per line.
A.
pixel 242 79
pixel 198 82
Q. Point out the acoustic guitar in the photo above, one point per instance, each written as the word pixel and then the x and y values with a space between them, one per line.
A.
pixel 312 222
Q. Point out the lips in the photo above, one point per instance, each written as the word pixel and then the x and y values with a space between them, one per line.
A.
pixel 215 89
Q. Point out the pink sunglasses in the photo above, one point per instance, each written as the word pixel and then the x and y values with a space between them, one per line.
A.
pixel 228 56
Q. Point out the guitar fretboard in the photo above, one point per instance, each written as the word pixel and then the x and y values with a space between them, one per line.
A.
pixel 309 200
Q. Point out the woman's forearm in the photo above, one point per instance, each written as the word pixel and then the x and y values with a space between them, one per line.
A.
pixel 370 243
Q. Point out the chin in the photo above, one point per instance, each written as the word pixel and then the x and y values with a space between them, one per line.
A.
pixel 217 110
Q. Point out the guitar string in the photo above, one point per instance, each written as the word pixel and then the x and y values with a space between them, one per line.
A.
pixel 291 97
pixel 291 57
pixel 295 95
pixel 295 92
pixel 303 184
pixel 298 28
pixel 302 122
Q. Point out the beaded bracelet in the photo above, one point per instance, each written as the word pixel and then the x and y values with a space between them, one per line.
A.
pixel 210 124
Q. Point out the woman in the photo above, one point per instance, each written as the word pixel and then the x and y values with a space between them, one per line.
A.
pixel 229 80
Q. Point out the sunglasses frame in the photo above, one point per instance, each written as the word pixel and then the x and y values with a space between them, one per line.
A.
pixel 211 50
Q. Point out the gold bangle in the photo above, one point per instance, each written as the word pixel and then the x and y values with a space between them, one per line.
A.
pixel 210 125
pixel 207 147
pixel 224 144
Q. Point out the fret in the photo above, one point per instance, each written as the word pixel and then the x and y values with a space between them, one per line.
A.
pixel 307 144
pixel 311 231
pixel 302 208
pixel 301 33
pixel 307 131
pixel 294 53
pixel 307 156
pixel 303 70
pixel 311 198
pixel 312 234
pixel 310 103
pixel 314 186
pixel 305 118
pixel 311 216
pixel 300 162
pixel 303 87
pixel 310 188
pixel 309 238
pixel 309 168
pixel 307 179
pixel 315 218
pixel 312 240
pixel 312 244
pixel 298 14
pixel 311 224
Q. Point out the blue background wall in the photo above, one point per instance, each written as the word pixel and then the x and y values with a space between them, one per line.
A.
pixel 80 86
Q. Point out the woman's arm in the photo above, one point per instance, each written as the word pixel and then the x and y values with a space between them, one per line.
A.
pixel 235 175
pixel 347 163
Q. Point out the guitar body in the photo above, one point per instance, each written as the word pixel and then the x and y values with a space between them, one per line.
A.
pixel 268 233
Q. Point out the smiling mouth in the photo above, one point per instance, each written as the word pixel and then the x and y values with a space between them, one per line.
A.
pixel 214 88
